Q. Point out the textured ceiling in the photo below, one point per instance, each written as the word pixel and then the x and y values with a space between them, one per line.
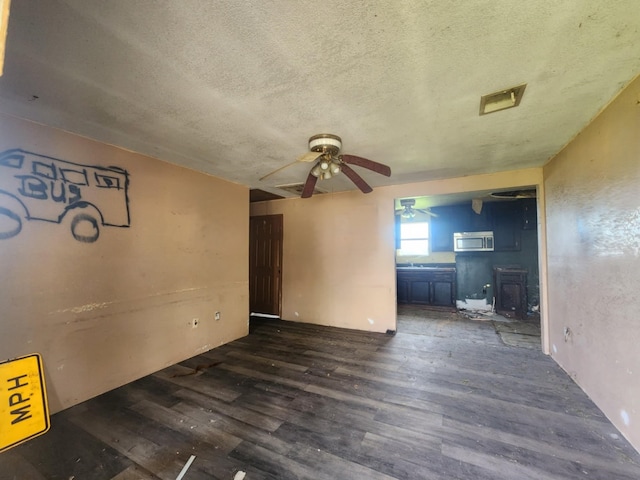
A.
pixel 235 89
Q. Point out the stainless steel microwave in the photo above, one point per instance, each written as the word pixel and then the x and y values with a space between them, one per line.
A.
pixel 473 242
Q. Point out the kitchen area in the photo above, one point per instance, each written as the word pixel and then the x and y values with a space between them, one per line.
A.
pixel 478 255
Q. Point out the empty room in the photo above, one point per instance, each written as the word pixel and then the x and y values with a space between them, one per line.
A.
pixel 302 240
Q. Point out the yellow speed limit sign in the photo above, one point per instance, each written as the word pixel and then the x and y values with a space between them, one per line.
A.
pixel 24 413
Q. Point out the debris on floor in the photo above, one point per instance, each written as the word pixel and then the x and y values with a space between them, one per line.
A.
pixel 240 475
pixel 483 315
pixel 519 334
pixel 186 467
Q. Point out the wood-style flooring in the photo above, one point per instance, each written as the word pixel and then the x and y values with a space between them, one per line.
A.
pixel 444 398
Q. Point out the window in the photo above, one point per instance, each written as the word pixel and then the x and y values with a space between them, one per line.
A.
pixel 414 238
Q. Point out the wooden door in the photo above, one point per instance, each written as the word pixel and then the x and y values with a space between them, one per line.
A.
pixel 265 264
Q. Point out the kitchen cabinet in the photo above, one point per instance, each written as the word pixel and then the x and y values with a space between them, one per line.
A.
pixel 529 214
pixel 507 220
pixel 511 291
pixel 507 226
pixel 450 219
pixel 434 286
pixel 480 223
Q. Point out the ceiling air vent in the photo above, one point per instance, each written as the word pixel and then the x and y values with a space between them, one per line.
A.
pixel 509 98
pixel 297 188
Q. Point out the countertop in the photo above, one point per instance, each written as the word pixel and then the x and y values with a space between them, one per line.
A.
pixel 421 268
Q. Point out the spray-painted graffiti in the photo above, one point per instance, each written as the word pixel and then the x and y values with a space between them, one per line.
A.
pixel 37 187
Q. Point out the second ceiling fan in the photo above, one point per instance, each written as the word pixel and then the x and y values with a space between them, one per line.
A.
pixel 409 211
pixel 324 152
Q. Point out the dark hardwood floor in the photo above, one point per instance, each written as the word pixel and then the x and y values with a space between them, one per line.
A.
pixel 444 398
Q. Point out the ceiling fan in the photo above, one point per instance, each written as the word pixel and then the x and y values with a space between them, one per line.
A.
pixel 324 151
pixel 408 210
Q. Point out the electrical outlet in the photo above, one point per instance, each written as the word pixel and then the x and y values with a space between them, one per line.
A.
pixel 194 323
pixel 217 316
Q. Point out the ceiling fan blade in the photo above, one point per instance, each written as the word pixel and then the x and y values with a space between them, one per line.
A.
pixel 277 170
pixel 427 212
pixel 368 164
pixel 306 157
pixel 309 157
pixel 355 178
pixel 309 186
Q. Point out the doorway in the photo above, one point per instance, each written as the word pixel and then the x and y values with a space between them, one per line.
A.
pixel 511 217
pixel 265 264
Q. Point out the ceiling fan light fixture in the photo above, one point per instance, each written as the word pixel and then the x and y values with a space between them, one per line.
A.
pixel 509 98
pixel 316 171
pixel 408 213
pixel 326 143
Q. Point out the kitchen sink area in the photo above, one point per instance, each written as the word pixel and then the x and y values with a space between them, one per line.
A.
pixel 426 284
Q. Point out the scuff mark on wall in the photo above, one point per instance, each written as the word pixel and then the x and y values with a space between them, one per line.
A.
pixel 204 348
pixel 101 305
pixel 625 417
pixel 183 290
pixel 89 307
pixel 82 308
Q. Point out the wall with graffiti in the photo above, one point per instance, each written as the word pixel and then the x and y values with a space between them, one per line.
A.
pixel 48 189
pixel 113 263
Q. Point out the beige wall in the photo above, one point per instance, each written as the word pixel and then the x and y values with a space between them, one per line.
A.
pixel 593 212
pixel 339 249
pixel 108 312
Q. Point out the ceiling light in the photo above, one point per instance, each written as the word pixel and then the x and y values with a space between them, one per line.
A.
pixel 326 168
pixel 316 171
pixel 325 142
pixel 501 100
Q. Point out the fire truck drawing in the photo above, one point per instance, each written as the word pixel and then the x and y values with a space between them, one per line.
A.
pixel 38 187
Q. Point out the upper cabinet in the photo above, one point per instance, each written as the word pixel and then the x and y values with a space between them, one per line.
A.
pixel 507 226
pixel 506 219
pixel 529 214
pixel 450 219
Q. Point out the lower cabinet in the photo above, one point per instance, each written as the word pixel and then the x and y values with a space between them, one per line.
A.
pixel 511 291
pixel 427 286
